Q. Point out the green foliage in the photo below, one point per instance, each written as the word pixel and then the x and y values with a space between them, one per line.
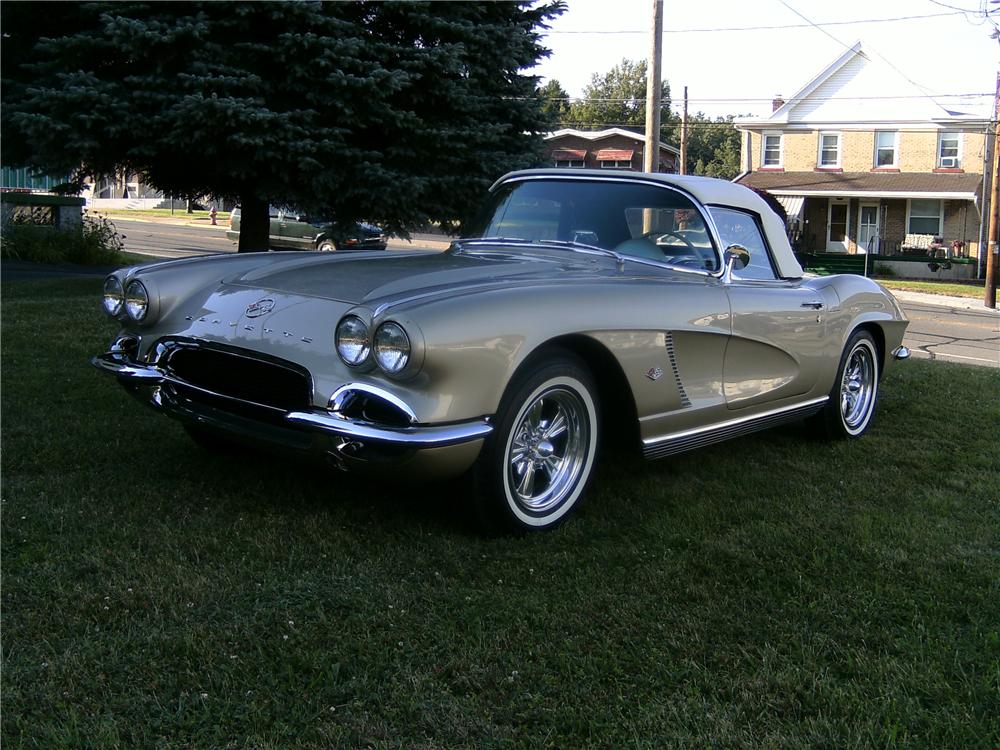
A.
pixel 617 99
pixel 398 113
pixel 713 147
pixel 555 106
pixel 884 271
pixel 771 593
pixel 94 243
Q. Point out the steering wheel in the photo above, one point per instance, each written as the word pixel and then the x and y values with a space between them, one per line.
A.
pixel 690 253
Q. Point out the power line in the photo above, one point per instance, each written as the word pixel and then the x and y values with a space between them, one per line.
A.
pixel 816 26
pixel 775 27
pixel 571 99
pixel 731 126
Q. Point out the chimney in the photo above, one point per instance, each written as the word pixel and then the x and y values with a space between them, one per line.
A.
pixel 777 103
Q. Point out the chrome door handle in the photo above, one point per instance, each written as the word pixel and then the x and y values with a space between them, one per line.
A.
pixel 813 305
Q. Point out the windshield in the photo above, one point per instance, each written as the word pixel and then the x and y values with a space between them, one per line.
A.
pixel 635 220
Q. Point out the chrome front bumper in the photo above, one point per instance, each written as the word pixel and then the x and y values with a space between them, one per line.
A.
pixel 352 437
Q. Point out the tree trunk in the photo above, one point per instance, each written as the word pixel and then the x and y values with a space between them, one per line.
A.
pixel 255 225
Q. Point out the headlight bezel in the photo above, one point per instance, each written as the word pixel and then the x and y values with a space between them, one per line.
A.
pixel 366 351
pixel 116 311
pixel 130 296
pixel 401 364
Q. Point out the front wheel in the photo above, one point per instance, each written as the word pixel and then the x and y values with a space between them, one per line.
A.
pixel 540 458
pixel 851 407
pixel 326 246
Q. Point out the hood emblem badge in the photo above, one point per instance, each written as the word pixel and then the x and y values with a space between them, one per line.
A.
pixel 260 307
pixel 654 373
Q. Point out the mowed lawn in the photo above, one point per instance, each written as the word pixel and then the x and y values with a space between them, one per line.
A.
pixel 771 592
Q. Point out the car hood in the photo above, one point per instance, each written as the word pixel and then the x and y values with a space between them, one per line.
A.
pixel 374 277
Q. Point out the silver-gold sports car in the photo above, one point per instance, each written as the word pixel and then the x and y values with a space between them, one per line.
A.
pixel 670 305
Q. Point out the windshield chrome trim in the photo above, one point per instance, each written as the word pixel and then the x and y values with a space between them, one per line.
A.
pixel 713 230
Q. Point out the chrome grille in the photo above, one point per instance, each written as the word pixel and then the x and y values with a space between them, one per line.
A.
pixel 220 374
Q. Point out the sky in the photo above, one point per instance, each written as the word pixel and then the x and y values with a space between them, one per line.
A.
pixel 948 53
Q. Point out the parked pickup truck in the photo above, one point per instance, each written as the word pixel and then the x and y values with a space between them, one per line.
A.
pixel 294 231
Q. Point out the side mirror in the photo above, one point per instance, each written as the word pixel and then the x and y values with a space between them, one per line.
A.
pixel 736 258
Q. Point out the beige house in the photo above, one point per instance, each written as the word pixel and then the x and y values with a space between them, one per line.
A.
pixel 865 162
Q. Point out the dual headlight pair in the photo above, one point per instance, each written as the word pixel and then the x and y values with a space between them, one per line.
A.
pixel 134 298
pixel 390 344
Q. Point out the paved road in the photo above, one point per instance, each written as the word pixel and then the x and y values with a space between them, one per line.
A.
pixel 172 241
pixel 952 335
pixel 178 241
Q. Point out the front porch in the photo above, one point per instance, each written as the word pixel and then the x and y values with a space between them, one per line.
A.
pixel 918 228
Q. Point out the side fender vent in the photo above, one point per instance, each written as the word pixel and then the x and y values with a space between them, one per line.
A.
pixel 672 355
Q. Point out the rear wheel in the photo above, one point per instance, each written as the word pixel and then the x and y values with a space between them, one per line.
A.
pixel 326 246
pixel 851 408
pixel 540 458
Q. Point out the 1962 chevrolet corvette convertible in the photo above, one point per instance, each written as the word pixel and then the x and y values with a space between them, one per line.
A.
pixel 672 305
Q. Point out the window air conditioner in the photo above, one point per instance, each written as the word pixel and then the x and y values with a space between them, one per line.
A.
pixel 949 162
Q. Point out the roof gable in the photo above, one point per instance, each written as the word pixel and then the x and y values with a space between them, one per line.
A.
pixel 851 89
pixel 597 135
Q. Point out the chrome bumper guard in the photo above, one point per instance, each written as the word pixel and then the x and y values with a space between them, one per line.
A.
pixel 321 421
pixel 901 352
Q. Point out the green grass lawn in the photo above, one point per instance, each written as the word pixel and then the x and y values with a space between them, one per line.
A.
pixel 776 592
pixel 972 290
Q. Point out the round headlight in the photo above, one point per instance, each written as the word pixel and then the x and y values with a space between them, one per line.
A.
pixel 392 347
pixel 136 301
pixel 114 296
pixel 352 340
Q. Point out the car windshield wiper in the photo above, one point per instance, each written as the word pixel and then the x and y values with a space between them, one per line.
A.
pixel 583 247
pixel 462 241
pixel 580 247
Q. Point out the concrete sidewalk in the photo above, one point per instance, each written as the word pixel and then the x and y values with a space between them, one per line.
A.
pixel 942 300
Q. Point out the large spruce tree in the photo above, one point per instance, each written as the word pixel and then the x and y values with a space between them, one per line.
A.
pixel 399 113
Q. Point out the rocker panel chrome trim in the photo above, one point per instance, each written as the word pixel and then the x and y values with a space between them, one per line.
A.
pixel 678 442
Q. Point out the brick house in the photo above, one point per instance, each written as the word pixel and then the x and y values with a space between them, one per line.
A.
pixel 865 162
pixel 614 148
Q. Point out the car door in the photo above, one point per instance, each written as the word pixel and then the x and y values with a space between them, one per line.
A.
pixel 296 231
pixel 778 326
pixel 274 226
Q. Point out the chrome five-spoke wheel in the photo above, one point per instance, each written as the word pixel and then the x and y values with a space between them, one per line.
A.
pixel 851 406
pixel 857 387
pixel 548 449
pixel 537 464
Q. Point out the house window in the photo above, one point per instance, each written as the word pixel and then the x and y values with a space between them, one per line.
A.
pixel 885 148
pixel 772 150
pixel 948 146
pixel 616 164
pixel 924 217
pixel 829 150
pixel 569 163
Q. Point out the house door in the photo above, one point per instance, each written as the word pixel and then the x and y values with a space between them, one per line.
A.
pixel 836 228
pixel 868 228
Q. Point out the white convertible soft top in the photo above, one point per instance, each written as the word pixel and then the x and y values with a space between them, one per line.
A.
pixel 707 190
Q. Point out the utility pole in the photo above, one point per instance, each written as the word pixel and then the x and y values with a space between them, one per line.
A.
pixel 684 134
pixel 651 159
pixel 990 296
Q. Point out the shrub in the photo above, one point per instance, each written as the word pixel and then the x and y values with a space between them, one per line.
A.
pixel 884 271
pixel 94 243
